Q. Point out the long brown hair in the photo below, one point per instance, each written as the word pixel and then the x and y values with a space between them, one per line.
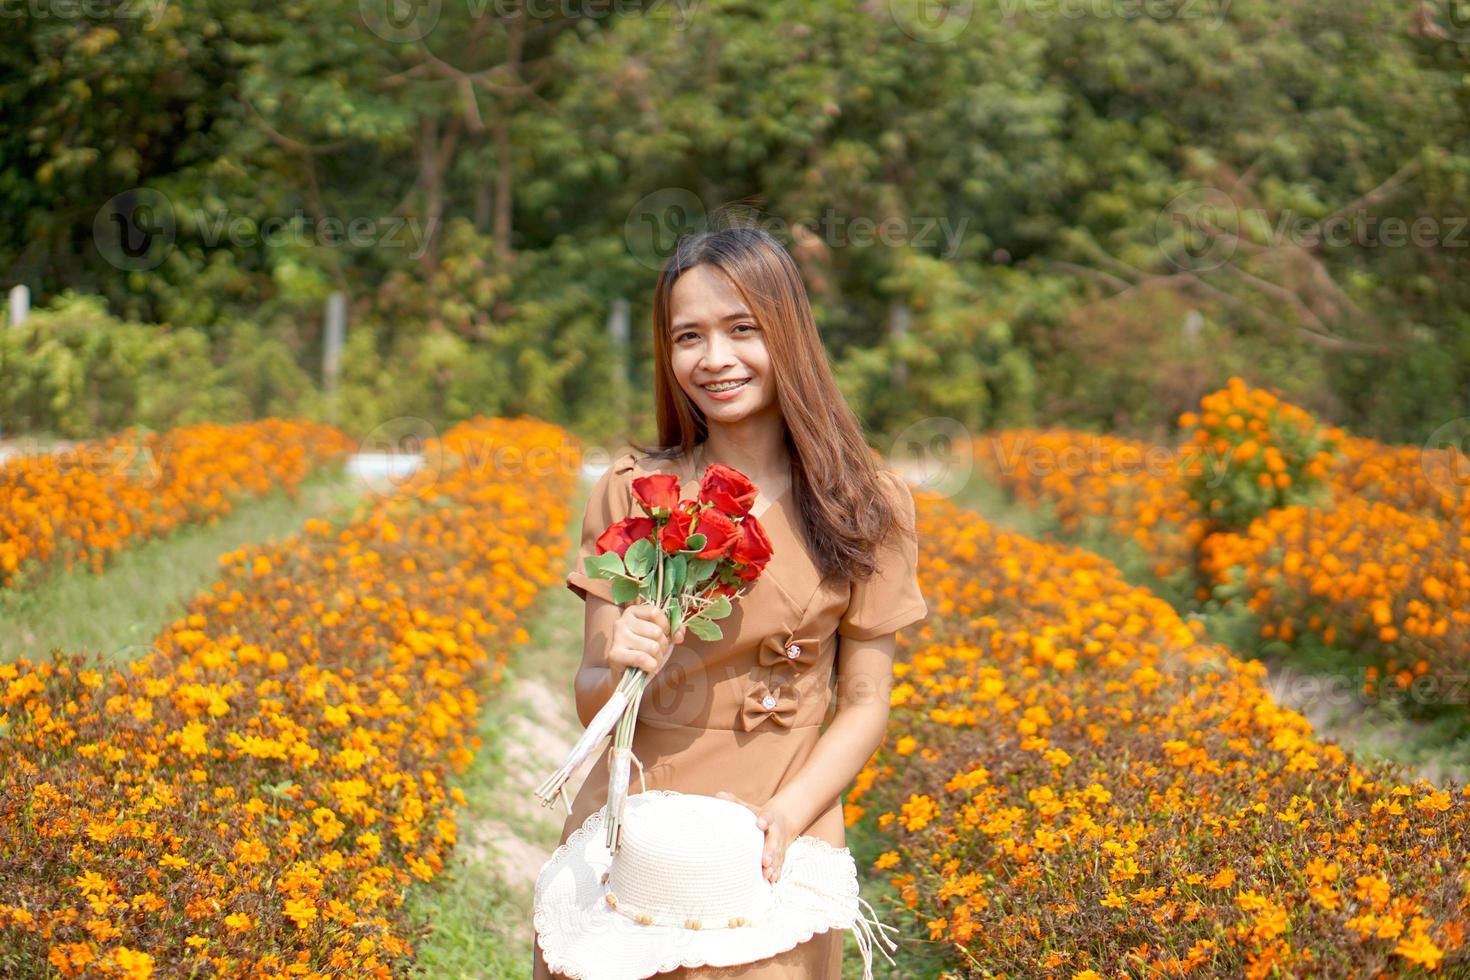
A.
pixel 844 500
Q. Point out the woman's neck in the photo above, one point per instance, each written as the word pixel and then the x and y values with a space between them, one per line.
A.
pixel 762 456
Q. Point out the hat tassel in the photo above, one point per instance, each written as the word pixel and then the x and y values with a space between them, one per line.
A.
pixel 869 935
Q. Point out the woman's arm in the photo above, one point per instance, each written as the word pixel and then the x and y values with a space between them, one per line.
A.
pixel 864 680
pixel 616 638
pixel 596 679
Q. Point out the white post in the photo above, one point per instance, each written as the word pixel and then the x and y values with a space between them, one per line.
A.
pixel 20 304
pixel 332 350
pixel 1193 322
pixel 617 330
pixel 899 319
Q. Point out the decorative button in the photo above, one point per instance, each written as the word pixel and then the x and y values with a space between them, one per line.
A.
pixel 790 649
pixel 768 702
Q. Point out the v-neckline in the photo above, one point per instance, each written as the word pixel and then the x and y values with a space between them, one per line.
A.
pixel 698 474
pixel 783 532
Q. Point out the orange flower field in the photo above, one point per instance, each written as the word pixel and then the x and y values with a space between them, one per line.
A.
pixel 253 797
pixel 80 506
pixel 1076 785
pixel 1376 564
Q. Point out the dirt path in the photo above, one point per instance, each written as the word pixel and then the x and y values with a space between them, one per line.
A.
pixel 481 912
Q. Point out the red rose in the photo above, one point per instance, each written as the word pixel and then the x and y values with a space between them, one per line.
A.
pixel 675 534
pixel 752 550
pixel 720 533
pixel 723 589
pixel 621 535
pixel 659 490
pixel 726 488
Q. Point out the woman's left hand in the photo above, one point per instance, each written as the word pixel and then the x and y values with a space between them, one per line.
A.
pixel 777 827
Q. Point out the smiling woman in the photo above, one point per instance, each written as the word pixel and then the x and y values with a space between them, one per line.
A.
pixel 781 712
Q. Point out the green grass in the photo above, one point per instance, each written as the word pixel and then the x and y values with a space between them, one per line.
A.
pixel 471 923
pixel 478 924
pixel 119 612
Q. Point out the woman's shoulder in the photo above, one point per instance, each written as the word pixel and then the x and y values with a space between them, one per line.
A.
pixel 639 463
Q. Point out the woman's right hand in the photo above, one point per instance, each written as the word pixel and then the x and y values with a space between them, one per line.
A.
pixel 640 638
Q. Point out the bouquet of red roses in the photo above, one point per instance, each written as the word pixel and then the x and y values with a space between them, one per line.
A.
pixel 688 557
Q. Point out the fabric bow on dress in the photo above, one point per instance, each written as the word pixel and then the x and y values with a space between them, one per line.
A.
pixel 788 648
pixel 762 702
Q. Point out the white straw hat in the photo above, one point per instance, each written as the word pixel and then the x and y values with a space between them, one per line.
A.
pixel 686 888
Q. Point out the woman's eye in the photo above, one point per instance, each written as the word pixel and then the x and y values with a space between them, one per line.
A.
pixel 747 326
pixel 681 336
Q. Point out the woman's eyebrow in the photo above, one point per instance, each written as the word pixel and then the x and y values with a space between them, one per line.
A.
pixel 724 319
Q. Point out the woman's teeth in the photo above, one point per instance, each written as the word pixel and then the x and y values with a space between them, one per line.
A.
pixel 724 386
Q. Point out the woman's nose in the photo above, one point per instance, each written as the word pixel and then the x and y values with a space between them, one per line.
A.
pixel 718 354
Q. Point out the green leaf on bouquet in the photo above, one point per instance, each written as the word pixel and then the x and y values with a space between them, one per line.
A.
pixel 676 616
pixel 675 571
pixel 701 569
pixel 640 558
pixel 625 589
pixel 603 566
pixel 718 609
pixel 704 629
pixel 695 542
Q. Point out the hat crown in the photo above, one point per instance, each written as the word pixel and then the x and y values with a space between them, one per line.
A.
pixel 685 857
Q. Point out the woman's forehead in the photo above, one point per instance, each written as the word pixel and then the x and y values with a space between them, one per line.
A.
pixel 706 294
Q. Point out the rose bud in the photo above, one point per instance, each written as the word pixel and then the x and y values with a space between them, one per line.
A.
pixel 620 536
pixel 728 489
pixel 720 533
pixel 658 490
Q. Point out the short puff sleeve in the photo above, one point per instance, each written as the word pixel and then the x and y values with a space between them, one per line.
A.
pixel 890 598
pixel 610 501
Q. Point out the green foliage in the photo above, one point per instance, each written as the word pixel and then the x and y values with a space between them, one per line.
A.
pixel 75 370
pixel 1028 169
pixel 1248 452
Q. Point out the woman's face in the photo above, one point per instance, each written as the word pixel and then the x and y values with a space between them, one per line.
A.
pixel 715 338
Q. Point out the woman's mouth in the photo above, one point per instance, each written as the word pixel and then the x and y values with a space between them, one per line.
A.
pixel 723 390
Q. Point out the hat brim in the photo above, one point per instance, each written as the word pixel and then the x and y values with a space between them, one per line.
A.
pixel 583 939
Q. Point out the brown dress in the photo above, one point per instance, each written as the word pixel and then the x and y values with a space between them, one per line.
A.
pixel 744 712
